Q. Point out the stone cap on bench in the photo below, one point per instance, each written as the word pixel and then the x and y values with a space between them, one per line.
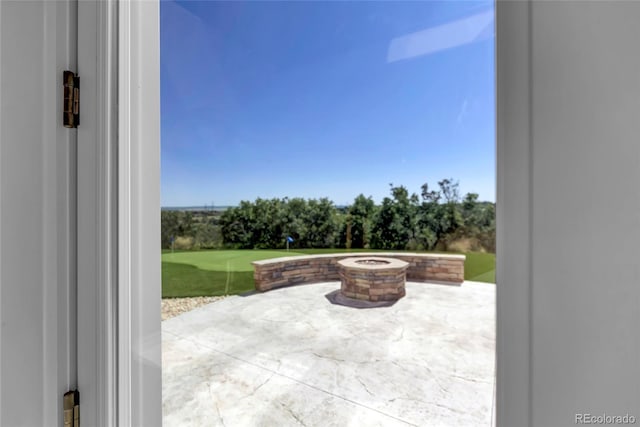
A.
pixel 292 270
pixel 360 254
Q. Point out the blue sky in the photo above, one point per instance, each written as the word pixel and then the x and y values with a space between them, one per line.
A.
pixel 324 99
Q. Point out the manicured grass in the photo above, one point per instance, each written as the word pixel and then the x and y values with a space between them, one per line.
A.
pixel 480 267
pixel 184 280
pixel 212 273
pixel 238 260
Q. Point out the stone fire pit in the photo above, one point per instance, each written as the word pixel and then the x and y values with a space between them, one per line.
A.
pixel 372 278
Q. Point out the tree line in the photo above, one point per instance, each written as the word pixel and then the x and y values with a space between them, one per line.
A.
pixel 434 219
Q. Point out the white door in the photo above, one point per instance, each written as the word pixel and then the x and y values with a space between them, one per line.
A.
pixel 37 213
pixel 568 168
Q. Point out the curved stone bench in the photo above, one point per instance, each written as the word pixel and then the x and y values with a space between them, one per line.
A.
pixel 277 272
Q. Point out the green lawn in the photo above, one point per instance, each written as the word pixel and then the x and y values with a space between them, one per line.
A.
pixel 480 267
pixel 210 273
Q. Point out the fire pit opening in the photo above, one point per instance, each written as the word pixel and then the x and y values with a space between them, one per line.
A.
pixel 372 261
pixel 372 279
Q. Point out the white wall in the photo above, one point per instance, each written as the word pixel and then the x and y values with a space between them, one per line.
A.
pixel 568 211
pixel 36 222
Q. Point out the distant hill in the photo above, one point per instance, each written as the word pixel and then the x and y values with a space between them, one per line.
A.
pixel 210 208
pixel 195 208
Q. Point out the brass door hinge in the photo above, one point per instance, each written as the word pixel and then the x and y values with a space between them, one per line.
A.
pixel 71 407
pixel 71 107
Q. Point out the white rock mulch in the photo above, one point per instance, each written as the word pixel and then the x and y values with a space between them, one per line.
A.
pixel 172 307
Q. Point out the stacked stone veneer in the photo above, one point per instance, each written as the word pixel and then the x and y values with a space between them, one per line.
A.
pixel 274 273
pixel 381 282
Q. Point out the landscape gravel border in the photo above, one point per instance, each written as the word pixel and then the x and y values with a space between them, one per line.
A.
pixel 172 307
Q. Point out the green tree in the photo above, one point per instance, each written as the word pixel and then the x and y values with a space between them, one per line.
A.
pixel 472 215
pixel 294 221
pixel 361 214
pixel 208 235
pixel 169 227
pixel 402 221
pixel 383 236
pixel 439 215
pixel 237 226
pixel 394 225
pixel 267 229
pixel 174 224
pixel 320 223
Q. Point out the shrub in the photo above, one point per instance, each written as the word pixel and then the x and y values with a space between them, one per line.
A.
pixel 183 243
pixel 208 236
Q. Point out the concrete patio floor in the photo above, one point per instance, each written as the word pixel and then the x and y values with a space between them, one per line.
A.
pixel 290 357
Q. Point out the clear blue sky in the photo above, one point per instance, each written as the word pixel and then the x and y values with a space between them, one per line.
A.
pixel 324 99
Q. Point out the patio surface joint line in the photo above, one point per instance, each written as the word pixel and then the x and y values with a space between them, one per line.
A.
pixel 290 378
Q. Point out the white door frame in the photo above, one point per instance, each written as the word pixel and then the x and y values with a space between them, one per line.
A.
pixel 139 288
pixel 513 213
pixel 96 218
pixel 119 372
pixel 135 398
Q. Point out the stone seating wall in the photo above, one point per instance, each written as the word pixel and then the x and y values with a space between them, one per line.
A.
pixel 286 271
